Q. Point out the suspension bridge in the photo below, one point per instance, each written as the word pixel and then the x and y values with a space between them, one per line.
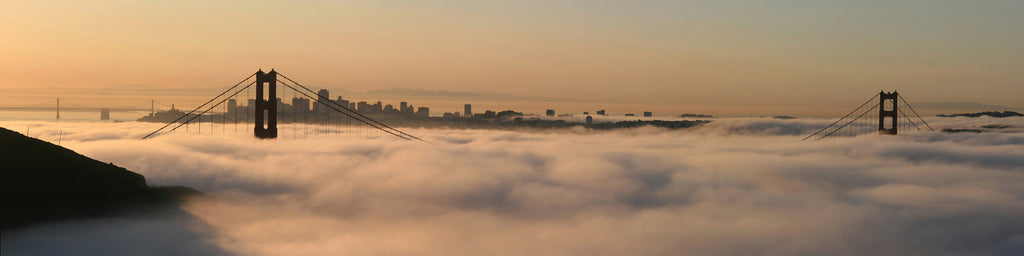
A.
pixel 265 111
pixel 890 107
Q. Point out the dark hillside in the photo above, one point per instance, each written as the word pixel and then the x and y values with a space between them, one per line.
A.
pixel 985 113
pixel 40 181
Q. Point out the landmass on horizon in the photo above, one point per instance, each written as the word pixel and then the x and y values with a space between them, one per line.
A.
pixel 42 182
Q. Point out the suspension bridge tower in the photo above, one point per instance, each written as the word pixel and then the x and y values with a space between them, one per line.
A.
pixel 887 113
pixel 266 108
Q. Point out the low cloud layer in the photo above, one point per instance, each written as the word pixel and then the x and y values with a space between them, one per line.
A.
pixel 732 187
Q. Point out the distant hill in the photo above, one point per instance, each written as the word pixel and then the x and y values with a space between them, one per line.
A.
pixel 960 106
pixel 421 92
pixel 40 182
pixel 695 115
pixel 985 113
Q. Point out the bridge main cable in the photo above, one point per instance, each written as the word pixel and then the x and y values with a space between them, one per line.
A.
pixel 353 117
pixel 841 119
pixel 214 106
pixel 848 123
pixel 200 107
pixel 347 109
pixel 915 113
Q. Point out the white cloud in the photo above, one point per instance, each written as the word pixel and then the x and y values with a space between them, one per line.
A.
pixel 732 187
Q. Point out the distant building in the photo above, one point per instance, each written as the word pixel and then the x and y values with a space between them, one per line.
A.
pixel 362 106
pixel 586 113
pixel 389 108
pixel 468 112
pixel 486 114
pixel 402 106
pixel 630 114
pixel 423 111
pixel 280 104
pixel 550 112
pixel 590 120
pixel 648 114
pixel 250 110
pixel 341 102
pixel 600 112
pixel 377 107
pixel 300 105
pixel 105 114
pixel 322 95
pixel 232 106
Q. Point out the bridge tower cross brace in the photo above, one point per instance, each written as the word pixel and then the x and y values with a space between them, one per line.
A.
pixel 266 108
pixel 891 113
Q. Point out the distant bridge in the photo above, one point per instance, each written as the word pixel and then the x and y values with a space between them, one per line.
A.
pixel 858 122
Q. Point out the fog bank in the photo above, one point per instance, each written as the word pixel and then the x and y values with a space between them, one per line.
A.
pixel 732 187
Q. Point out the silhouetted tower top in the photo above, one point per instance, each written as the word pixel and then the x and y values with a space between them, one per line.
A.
pixel 266 105
pixel 890 114
pixel 104 114
pixel 468 112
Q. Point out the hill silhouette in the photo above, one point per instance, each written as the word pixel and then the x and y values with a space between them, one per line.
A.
pixel 40 182
pixel 985 113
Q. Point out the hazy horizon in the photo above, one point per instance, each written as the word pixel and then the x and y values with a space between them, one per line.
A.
pixel 727 57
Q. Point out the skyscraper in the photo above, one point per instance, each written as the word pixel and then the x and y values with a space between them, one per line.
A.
pixel 104 114
pixel 232 106
pixel 363 107
pixel 468 112
pixel 300 105
pixel 423 111
pixel 322 95
pixel 342 102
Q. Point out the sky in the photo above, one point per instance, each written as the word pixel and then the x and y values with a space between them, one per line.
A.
pixel 735 186
pixel 722 57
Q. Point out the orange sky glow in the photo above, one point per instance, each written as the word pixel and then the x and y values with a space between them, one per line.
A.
pixel 777 57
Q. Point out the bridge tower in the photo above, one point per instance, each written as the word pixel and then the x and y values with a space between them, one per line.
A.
pixel 891 113
pixel 266 108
